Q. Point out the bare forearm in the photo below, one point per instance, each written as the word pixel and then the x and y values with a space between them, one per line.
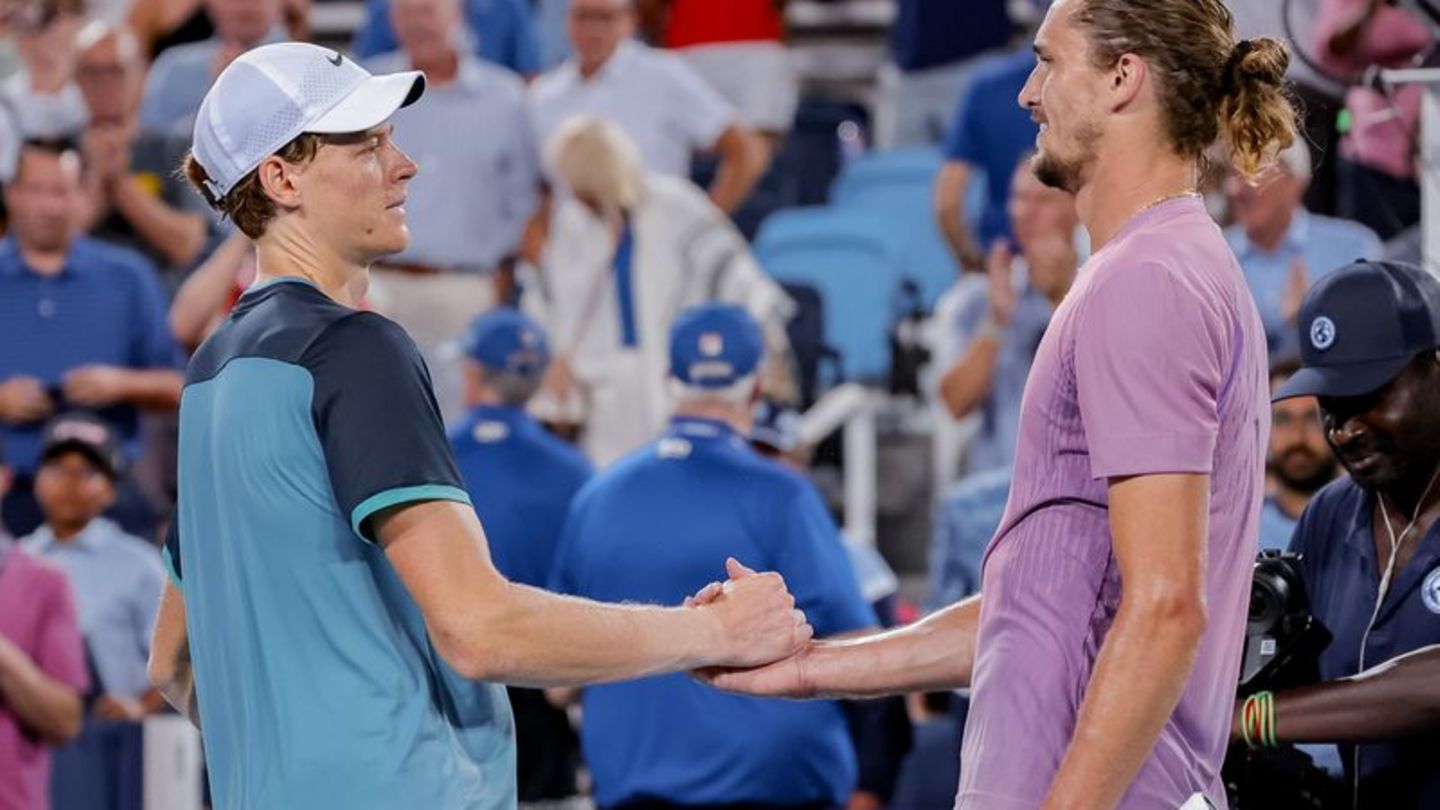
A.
pixel 45 707
pixel 1137 681
pixel 154 389
pixel 205 292
pixel 178 235
pixel 934 654
pixel 967 382
pixel 179 689
pixel 1396 699
pixel 740 167
pixel 950 189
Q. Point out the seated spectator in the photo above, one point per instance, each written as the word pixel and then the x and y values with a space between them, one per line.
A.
pixel 86 323
pixel 1282 247
pixel 934 46
pixel 992 340
pixel 499 31
pixel 117 578
pixel 42 671
pixel 1299 461
pixel 521 480
pixel 41 96
pixel 653 530
pixel 1370 542
pixel 989 134
pixel 180 76
pixel 738 48
pixel 469 204
pixel 654 98
pixel 965 522
pixel 626 254
pixel 136 199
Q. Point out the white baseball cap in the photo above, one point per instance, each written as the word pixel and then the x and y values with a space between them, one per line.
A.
pixel 270 95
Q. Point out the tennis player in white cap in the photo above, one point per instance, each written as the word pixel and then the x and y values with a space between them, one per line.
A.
pixel 331 592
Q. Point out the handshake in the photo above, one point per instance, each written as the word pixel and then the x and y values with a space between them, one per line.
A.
pixel 763 638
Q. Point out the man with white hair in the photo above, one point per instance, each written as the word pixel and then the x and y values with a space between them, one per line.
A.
pixel 1282 247
pixel 627 252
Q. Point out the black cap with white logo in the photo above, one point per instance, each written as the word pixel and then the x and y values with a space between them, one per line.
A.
pixel 1360 326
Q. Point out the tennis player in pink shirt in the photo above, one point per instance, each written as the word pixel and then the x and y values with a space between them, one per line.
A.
pixel 1103 651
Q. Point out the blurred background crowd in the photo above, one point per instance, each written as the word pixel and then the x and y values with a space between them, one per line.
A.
pixel 851 172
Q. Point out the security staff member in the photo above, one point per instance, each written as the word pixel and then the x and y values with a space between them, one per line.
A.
pixel 1370 542
pixel 670 741
pixel 521 480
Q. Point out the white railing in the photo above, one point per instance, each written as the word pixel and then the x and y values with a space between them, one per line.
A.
pixel 851 408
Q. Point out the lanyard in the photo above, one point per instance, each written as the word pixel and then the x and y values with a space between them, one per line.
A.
pixel 624 285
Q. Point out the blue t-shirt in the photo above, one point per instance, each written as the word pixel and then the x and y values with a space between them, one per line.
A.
pixel 932 33
pixel 657 527
pixel 104 307
pixel 1276 527
pixel 1336 537
pixel 317 682
pixel 991 131
pixel 503 31
pixel 521 480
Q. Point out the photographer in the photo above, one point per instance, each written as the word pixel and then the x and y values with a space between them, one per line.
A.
pixel 1369 545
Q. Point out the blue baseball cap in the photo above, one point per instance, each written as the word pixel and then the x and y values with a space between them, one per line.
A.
pixel 714 345
pixel 1360 326
pixel 506 340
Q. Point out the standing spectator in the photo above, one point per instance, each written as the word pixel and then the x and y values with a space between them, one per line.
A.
pixel 42 671
pixel 1299 461
pixel 933 47
pixel 627 253
pixel 86 323
pixel 669 740
pixel 550 16
pixel 994 338
pixel 41 96
pixel 668 111
pixel 469 203
pixel 521 480
pixel 136 200
pixel 117 578
pixel 738 48
pixel 498 31
pixel 1282 247
pixel 181 75
pixel 989 134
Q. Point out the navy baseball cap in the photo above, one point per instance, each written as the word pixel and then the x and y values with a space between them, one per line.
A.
pixel 506 340
pixel 1360 326
pixel 714 345
pixel 88 435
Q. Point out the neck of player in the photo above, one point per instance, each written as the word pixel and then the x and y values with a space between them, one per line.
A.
pixel 292 253
pixel 1128 176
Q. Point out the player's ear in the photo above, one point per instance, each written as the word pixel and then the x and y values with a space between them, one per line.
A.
pixel 279 179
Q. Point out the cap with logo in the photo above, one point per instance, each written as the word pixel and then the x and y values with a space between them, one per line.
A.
pixel 1360 326
pixel 272 94
pixel 506 340
pixel 87 435
pixel 714 345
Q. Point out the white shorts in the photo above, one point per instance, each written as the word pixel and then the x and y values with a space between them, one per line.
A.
pixel 757 78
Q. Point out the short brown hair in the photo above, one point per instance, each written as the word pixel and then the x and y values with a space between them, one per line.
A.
pixel 1210 86
pixel 247 204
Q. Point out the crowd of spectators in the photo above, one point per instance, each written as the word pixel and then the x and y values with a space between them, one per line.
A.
pixel 557 144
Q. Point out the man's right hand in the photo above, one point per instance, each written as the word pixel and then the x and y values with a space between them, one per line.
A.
pixel 757 619
pixel 23 400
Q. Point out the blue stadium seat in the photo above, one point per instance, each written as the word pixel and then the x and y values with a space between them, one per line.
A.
pixel 855 261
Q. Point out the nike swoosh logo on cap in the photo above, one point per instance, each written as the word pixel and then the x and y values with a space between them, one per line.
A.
pixel 337 59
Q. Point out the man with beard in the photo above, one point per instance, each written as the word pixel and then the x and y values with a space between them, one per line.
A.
pixel 1370 542
pixel 1299 462
pixel 1102 651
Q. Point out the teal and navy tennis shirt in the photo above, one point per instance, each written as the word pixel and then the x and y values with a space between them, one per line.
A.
pixel 317 684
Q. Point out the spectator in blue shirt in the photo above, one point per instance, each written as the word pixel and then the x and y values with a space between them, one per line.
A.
pixel 85 323
pixel 965 521
pixel 934 45
pixel 651 529
pixel 117 577
pixel 1283 248
pixel 1370 542
pixel 498 31
pixel 1299 461
pixel 180 76
pixel 521 480
pixel 991 341
pixel 988 135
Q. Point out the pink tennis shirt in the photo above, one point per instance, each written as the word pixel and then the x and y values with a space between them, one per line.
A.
pixel 1154 363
